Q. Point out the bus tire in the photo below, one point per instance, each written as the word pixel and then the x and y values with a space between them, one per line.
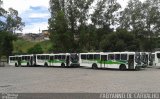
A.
pixel 62 65
pixel 16 65
pixel 45 64
pixel 137 68
pixel 122 67
pixel 94 66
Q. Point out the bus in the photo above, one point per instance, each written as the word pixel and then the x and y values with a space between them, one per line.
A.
pixel 116 60
pixel 60 59
pixel 13 60
pixel 154 58
pixel 21 60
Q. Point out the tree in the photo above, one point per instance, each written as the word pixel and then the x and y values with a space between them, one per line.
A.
pixel 87 38
pixel 75 15
pixel 104 17
pixel 6 45
pixel 37 49
pixel 61 36
pixel 121 40
pixel 13 21
pixel 95 24
pixel 2 15
pixel 9 23
pixel 143 20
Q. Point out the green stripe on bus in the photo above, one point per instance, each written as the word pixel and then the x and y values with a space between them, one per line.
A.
pixel 56 61
pixel 24 61
pixel 112 62
pixel 109 61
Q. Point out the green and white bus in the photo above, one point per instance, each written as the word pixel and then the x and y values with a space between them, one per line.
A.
pixel 154 58
pixel 21 60
pixel 116 60
pixel 61 59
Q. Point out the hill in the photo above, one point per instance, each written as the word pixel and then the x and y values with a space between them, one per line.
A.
pixel 21 45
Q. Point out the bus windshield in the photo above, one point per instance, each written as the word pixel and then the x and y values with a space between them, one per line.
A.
pixel 158 55
pixel 74 58
pixel 138 58
pixel 144 58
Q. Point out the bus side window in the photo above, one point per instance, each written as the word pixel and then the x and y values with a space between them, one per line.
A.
pixel 59 57
pixel 47 57
pixel 26 57
pixel 23 58
pixel 83 56
pixel 123 56
pixel 90 56
pixel 56 57
pixel 11 58
pixel 117 56
pixel 96 56
pixel 29 57
pixel 103 57
pixel 111 57
pixel 51 57
pixel 16 58
pixel 63 57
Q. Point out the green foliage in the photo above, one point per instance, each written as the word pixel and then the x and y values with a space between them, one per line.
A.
pixel 6 46
pixel 133 28
pixel 37 49
pixel 143 20
pixel 12 23
pixel 61 36
pixel 122 40
pixel 20 46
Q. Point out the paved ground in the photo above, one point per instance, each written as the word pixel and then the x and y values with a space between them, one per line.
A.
pixel 53 79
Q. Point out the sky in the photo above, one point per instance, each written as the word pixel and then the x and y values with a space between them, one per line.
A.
pixel 35 13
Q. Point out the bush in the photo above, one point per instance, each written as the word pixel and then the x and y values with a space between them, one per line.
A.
pixel 37 49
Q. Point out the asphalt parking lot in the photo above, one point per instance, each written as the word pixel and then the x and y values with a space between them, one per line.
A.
pixel 77 80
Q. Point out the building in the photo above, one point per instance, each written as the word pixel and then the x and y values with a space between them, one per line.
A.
pixel 46 34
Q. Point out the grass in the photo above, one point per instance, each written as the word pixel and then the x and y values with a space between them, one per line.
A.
pixel 22 46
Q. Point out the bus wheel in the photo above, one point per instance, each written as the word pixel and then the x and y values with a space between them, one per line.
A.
pixel 94 66
pixel 62 65
pixel 45 64
pixel 137 68
pixel 16 65
pixel 122 67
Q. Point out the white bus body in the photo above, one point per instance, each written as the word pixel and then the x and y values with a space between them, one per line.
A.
pixel 13 60
pixel 155 58
pixel 117 60
pixel 27 60
pixel 21 60
pixel 62 59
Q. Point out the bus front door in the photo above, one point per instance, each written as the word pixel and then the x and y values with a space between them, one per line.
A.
pixel 131 62
pixel 103 61
pixel 68 60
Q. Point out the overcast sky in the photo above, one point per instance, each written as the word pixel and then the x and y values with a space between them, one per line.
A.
pixel 35 13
